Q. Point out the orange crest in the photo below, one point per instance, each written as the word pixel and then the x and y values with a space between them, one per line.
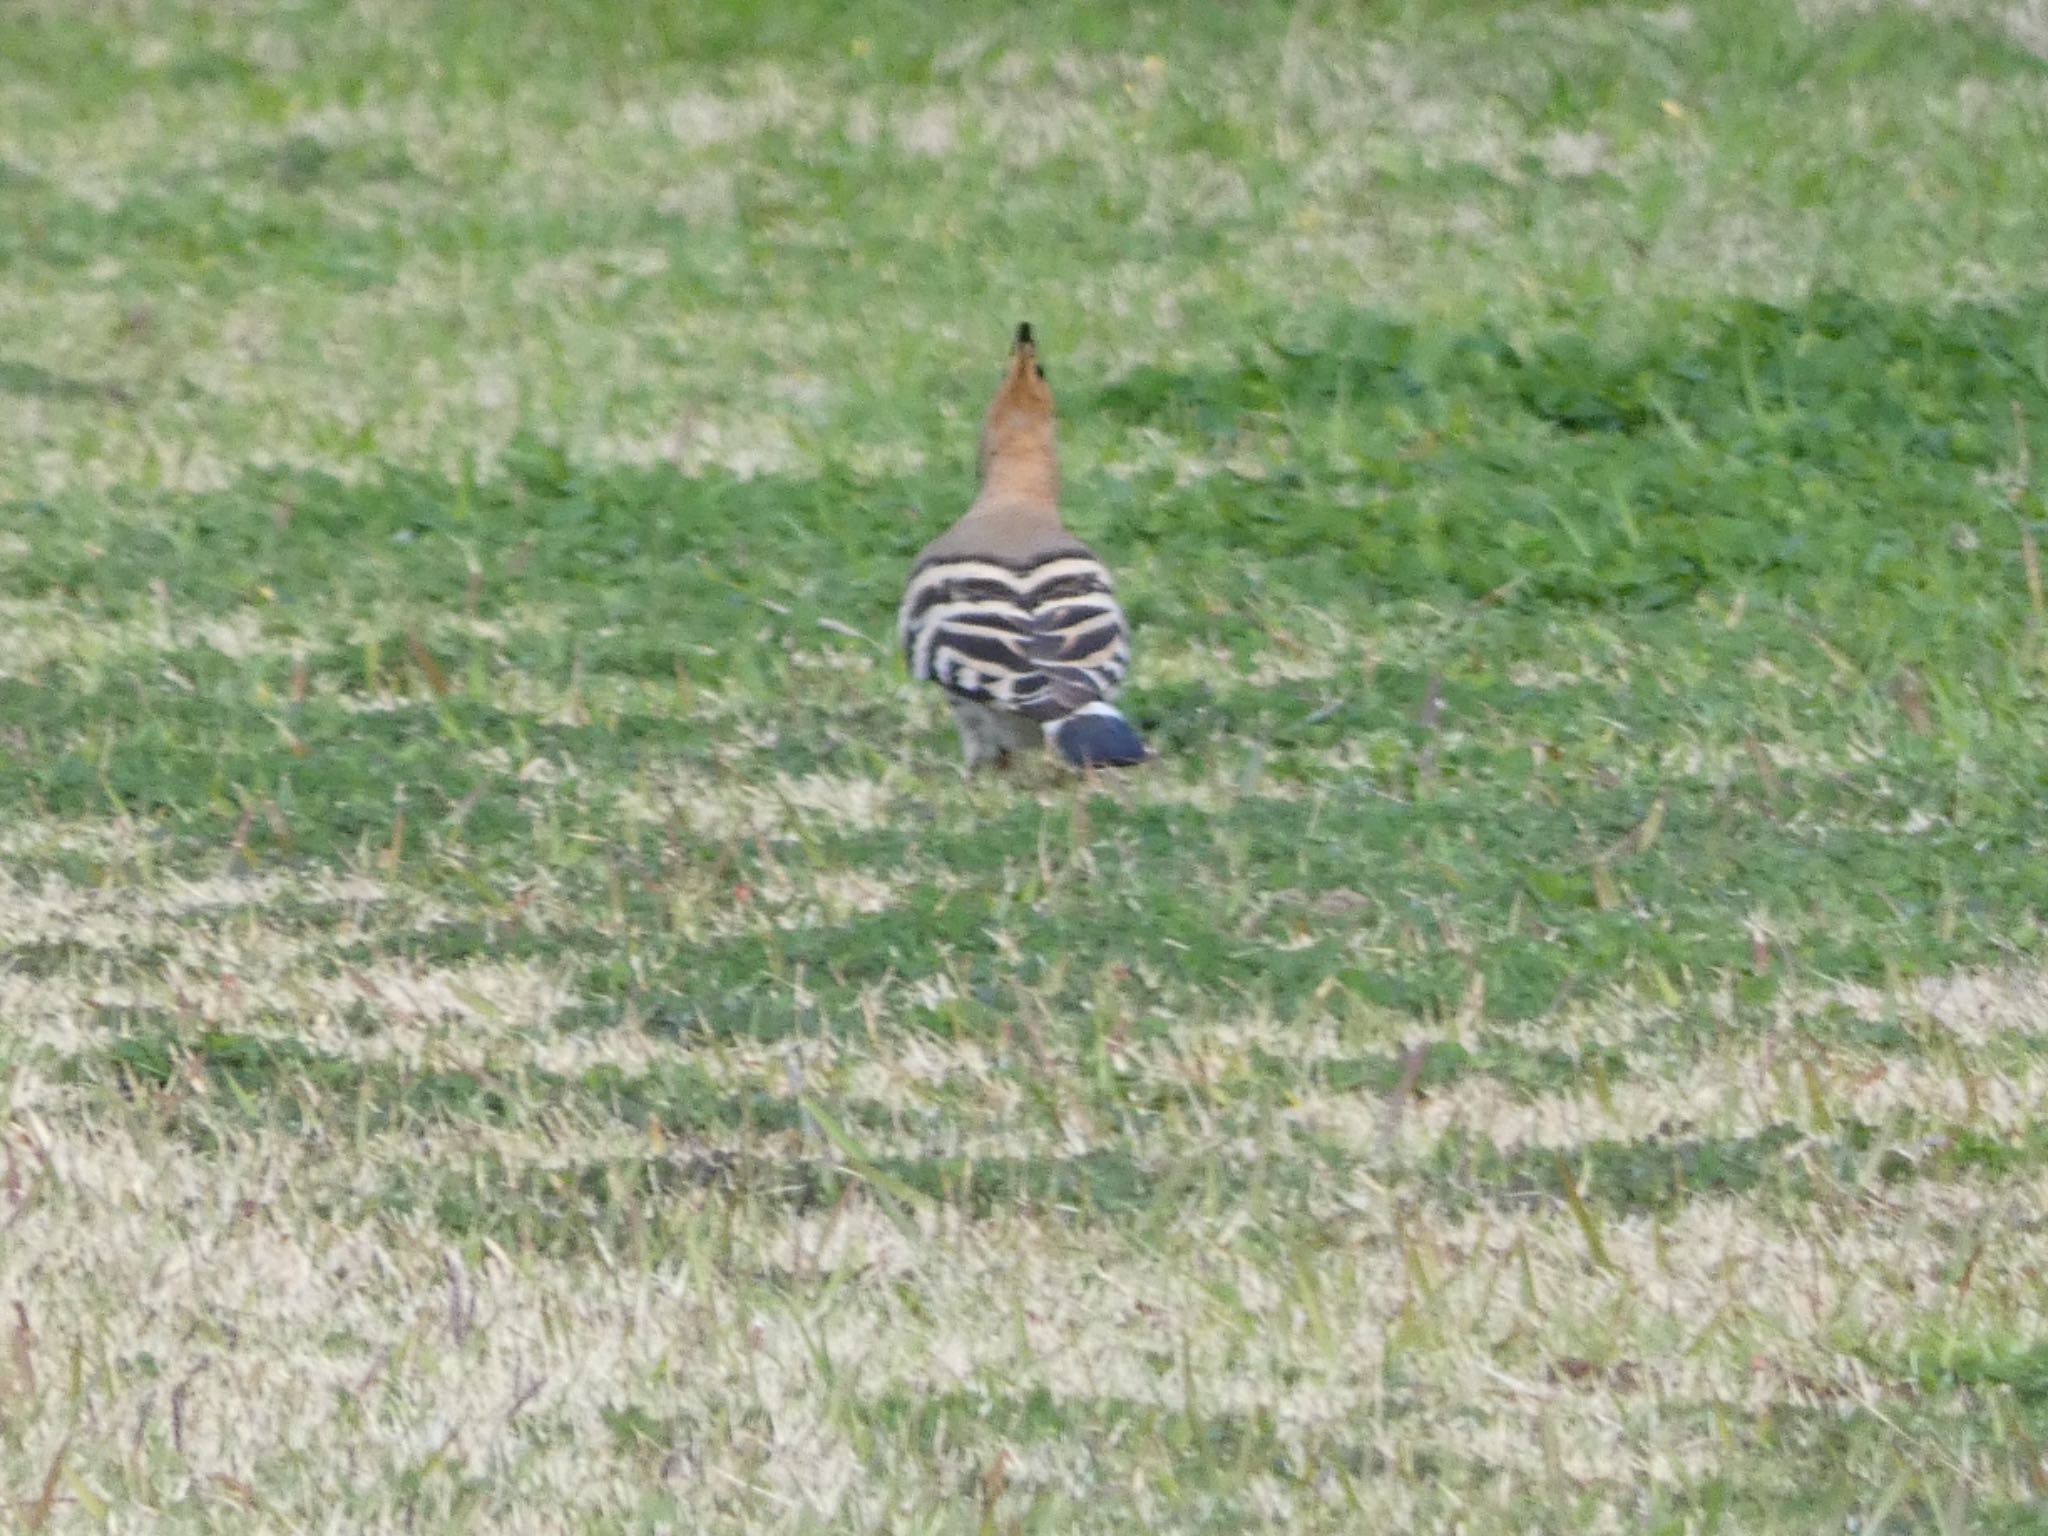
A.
pixel 1017 432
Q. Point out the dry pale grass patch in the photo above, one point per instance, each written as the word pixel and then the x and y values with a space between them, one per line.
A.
pixel 255 1327
pixel 553 1313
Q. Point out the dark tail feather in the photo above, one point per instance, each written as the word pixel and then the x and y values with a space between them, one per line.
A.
pixel 1095 735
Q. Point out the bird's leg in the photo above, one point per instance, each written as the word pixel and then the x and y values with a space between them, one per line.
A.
pixel 981 735
pixel 977 753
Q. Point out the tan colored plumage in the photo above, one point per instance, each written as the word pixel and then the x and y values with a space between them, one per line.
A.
pixel 1011 614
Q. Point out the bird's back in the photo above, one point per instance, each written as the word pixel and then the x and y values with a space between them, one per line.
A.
pixel 1033 630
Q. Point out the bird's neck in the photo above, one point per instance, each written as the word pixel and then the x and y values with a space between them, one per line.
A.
pixel 1025 480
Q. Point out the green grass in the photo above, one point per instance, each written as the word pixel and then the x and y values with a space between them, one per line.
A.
pixel 511 1018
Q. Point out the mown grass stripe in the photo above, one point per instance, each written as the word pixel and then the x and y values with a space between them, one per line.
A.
pixel 255 1082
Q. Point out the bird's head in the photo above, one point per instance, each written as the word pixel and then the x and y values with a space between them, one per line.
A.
pixel 1018 428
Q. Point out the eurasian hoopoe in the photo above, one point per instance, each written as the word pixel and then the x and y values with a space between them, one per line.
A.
pixel 1012 615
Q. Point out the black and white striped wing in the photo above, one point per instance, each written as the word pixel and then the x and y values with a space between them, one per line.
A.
pixel 1040 641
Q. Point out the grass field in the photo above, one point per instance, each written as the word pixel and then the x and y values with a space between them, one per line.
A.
pixel 511 1020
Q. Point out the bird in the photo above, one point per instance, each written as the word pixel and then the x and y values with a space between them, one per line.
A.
pixel 1010 614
